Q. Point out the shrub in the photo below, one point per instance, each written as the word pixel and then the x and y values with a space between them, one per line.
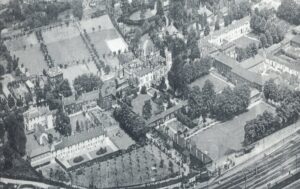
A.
pixel 101 151
pixel 78 159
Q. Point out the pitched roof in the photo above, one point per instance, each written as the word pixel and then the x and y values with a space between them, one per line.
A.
pixel 251 62
pixel 167 112
pixel 80 137
pixel 238 70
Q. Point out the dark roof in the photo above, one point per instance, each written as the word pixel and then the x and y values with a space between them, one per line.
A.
pixel 227 60
pixel 248 75
pixel 80 137
pixel 238 70
pixel 167 112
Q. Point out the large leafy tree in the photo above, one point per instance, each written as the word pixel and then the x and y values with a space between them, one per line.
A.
pixel 87 83
pixel 147 109
pixel 63 125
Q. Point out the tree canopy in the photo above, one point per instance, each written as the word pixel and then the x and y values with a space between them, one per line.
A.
pixel 86 83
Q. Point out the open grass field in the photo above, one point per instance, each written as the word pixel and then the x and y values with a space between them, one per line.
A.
pixel 107 41
pixel 68 51
pixel 142 165
pixel 60 33
pixel 102 22
pixel 27 49
pixel 218 83
pixel 224 138
pixel 32 59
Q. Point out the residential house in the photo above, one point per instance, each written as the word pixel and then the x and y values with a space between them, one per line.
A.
pixel 237 29
pixel 73 104
pixel 39 116
pixel 108 92
pixel 231 69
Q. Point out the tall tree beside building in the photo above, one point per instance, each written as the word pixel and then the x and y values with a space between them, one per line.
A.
pixel 63 125
pixel 11 101
pixel 289 10
pixel 147 109
pixel 159 8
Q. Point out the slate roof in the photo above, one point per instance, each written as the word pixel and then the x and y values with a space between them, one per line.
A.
pixel 80 137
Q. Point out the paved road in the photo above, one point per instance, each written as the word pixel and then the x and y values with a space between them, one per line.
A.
pixel 266 171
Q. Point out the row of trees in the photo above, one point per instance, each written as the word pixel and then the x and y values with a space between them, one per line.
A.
pixel 133 124
pixel 262 24
pixel 38 13
pixel 221 106
pixel 289 10
pixel 287 112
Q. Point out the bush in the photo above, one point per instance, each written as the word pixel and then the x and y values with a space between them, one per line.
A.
pixel 78 159
pixel 101 151
pixel 143 90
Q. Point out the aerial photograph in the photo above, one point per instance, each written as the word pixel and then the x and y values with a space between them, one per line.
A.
pixel 154 94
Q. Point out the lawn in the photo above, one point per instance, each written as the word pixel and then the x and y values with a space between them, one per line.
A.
pixel 142 165
pixel 218 83
pixel 68 51
pixel 32 59
pixel 107 41
pixel 224 138
pixel 60 33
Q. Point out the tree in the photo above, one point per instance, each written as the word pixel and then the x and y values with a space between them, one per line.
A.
pixel 19 102
pixel 217 24
pixel 87 83
pixel 206 30
pixel 289 10
pixel 263 40
pixel 2 70
pixel 162 85
pixel 177 13
pixel 159 8
pixel 77 126
pixel 77 9
pixel 10 101
pixel 270 90
pixel 50 138
pixel 147 109
pixel 16 135
pixel 64 88
pixel 63 125
pixel 208 95
pixel 144 90
pixel 106 69
pixel 269 38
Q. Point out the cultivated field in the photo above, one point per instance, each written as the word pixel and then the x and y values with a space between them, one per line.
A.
pixel 224 138
pixel 143 165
